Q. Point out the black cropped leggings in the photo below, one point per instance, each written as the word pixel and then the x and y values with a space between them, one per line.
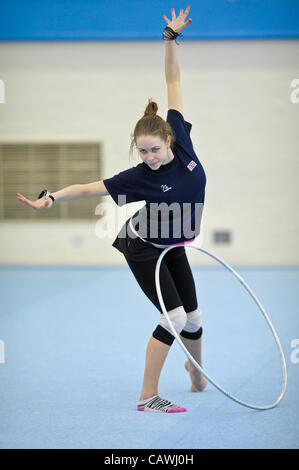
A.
pixel 176 280
pixel 176 283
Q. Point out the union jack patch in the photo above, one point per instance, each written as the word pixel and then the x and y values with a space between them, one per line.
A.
pixel 191 165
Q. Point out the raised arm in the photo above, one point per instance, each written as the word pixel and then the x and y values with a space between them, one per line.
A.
pixel 172 68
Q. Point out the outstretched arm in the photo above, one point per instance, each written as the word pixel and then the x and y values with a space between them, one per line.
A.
pixel 70 193
pixel 172 68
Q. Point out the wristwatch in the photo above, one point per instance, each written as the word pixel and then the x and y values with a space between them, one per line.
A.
pixel 47 194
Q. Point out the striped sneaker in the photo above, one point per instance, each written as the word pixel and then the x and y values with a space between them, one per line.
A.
pixel 159 405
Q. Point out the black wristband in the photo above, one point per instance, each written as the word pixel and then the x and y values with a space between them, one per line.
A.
pixel 43 193
pixel 169 34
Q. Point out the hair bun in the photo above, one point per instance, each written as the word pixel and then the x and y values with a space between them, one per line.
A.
pixel 151 108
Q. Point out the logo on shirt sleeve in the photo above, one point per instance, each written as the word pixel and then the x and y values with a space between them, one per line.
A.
pixel 191 165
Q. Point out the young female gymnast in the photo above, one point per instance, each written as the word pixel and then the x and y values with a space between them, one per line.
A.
pixel 170 174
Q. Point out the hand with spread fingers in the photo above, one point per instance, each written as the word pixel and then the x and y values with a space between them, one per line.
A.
pixel 36 205
pixel 178 23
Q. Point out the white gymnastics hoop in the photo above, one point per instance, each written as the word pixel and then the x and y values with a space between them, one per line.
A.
pixel 195 363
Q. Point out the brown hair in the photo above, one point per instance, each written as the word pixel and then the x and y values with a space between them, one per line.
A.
pixel 151 124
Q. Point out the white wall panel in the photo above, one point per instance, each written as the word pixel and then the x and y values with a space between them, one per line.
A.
pixel 245 131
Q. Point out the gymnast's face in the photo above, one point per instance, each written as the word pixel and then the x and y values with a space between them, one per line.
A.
pixel 154 151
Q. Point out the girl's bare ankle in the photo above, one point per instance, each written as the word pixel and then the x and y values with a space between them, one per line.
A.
pixel 145 396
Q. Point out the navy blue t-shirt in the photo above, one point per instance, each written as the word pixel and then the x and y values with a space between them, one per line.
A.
pixel 174 194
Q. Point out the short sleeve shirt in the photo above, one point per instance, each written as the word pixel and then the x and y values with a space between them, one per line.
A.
pixel 174 194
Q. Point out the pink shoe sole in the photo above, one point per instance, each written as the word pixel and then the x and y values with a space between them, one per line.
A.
pixel 177 410
pixel 172 410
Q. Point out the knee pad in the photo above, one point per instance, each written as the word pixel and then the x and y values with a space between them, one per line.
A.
pixel 194 321
pixel 178 318
pixel 193 326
